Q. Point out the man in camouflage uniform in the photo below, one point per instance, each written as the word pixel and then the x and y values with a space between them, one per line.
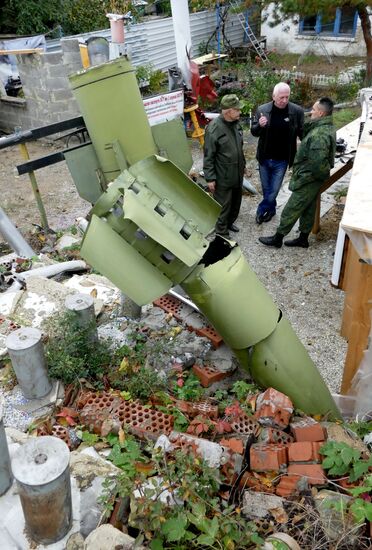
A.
pixel 311 168
pixel 224 162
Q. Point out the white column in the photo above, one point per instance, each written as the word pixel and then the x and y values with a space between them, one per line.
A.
pixel 182 35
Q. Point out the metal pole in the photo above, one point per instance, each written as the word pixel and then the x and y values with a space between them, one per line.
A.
pixel 27 355
pixel 13 237
pixel 35 188
pixel 41 468
pixel 82 305
pixel 5 469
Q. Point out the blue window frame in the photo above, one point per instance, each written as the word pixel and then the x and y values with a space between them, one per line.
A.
pixel 343 23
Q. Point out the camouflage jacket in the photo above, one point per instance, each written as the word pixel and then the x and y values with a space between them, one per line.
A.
pixel 315 156
pixel 224 160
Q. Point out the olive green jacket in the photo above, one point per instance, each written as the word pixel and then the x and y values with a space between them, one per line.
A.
pixel 316 154
pixel 224 160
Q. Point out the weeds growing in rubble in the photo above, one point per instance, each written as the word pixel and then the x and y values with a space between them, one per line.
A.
pixel 180 507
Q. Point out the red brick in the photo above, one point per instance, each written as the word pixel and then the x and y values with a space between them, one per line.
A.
pixel 170 304
pixel 208 376
pixel 245 424
pixel 273 409
pixel 307 429
pixel 287 486
pixel 252 480
pixel 235 445
pixel 304 451
pixel 273 435
pixel 209 332
pixel 265 458
pixel 206 408
pixel 313 472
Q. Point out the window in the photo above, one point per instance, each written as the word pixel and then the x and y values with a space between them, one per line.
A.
pixel 343 23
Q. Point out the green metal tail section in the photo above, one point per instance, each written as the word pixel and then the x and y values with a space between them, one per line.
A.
pixel 282 361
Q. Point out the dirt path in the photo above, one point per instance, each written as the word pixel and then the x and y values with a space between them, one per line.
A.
pixel 61 200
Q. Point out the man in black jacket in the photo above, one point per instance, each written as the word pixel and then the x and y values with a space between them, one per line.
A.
pixel 224 162
pixel 277 124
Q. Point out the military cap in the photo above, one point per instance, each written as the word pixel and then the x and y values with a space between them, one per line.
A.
pixel 231 101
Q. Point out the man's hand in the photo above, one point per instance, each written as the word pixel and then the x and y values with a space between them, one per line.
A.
pixel 211 186
pixel 262 121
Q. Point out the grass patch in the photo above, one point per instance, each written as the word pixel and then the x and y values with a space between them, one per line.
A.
pixel 345 116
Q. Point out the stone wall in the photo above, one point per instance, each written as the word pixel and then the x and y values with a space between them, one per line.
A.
pixel 47 93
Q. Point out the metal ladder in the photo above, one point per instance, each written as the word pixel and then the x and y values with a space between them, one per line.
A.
pixel 236 5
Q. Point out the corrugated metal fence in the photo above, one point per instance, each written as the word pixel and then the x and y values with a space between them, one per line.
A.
pixel 153 41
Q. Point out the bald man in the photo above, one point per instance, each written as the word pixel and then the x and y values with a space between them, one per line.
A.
pixel 277 125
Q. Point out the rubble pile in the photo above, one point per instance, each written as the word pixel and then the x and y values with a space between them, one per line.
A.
pixel 198 455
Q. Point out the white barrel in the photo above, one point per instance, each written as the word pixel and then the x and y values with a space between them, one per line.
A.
pixel 27 355
pixel 41 469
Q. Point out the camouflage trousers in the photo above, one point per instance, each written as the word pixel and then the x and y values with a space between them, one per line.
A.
pixel 301 205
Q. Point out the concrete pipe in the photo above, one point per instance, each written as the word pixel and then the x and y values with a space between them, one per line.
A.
pixel 41 469
pixel 27 355
pixel 82 305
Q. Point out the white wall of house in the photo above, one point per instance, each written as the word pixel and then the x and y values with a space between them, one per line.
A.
pixel 286 38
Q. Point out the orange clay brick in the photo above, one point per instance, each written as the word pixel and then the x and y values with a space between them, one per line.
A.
pixel 307 429
pixel 273 409
pixel 265 458
pixel 234 444
pixel 207 376
pixel 313 472
pixel 287 486
pixel 304 451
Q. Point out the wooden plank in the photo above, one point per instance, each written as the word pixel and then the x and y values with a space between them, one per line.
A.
pixel 27 51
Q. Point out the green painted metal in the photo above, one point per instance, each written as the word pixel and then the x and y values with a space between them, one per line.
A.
pixel 85 171
pixel 281 361
pixel 122 264
pixel 231 296
pixel 171 141
pixel 110 102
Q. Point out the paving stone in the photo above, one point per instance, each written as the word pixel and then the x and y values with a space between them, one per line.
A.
pixel 331 507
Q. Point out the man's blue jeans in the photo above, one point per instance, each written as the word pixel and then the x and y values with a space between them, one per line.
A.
pixel 271 174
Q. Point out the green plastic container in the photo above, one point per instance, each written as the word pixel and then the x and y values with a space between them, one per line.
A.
pixel 110 102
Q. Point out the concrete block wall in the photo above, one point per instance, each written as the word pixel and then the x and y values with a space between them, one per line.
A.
pixel 47 94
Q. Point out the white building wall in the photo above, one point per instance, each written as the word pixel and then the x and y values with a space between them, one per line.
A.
pixel 284 38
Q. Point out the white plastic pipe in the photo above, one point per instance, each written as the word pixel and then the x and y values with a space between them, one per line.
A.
pixel 182 36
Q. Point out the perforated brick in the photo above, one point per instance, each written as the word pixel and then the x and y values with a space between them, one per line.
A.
pixel 205 408
pixel 274 435
pixel 143 421
pixel 273 409
pixel 207 375
pixel 209 332
pixel 170 304
pixel 245 425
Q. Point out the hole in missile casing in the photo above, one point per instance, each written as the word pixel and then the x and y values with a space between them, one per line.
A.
pixel 135 187
pixel 167 257
pixel 280 315
pixel 41 458
pixel 185 232
pixel 160 209
pixel 140 235
pixel 218 249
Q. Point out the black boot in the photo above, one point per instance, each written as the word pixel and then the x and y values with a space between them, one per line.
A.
pixel 276 240
pixel 301 241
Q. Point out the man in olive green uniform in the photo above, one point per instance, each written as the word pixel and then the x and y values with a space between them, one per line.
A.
pixel 311 167
pixel 224 162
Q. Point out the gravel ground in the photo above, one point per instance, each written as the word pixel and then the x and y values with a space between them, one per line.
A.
pixel 297 279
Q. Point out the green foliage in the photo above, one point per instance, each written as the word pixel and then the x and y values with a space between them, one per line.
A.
pixel 71 355
pixel 191 515
pixel 360 428
pixel 341 459
pixel 150 78
pixel 31 16
pixel 361 508
pixel 242 389
pixel 341 117
pixel 143 383
pixel 191 390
